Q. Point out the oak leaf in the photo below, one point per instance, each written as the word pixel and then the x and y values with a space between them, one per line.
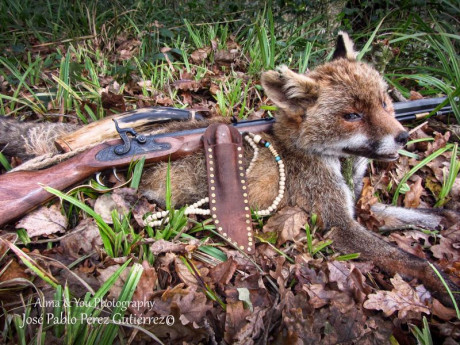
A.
pixel 162 246
pixel 408 244
pixel 43 221
pixel 223 272
pixel 288 223
pixel 193 307
pixel 446 249
pixel 187 85
pixel 144 292
pixel 184 274
pixel 106 273
pixel 403 299
pixel 235 320
pixel 83 239
pixel 199 55
pixel 412 197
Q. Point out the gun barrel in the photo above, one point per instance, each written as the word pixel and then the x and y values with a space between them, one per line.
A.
pixel 419 109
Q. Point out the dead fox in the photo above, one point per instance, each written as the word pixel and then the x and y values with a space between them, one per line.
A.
pixel 339 109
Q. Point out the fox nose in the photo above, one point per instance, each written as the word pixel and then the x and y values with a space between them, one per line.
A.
pixel 402 138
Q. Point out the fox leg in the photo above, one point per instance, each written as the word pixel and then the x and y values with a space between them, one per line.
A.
pixel 355 238
pixel 394 217
pixel 350 237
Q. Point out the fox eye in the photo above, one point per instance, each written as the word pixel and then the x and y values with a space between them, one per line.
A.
pixel 352 117
pixel 384 105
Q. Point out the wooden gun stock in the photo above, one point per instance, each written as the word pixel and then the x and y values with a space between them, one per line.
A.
pixel 22 191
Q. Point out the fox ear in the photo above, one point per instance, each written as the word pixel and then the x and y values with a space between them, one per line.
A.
pixel 344 47
pixel 290 91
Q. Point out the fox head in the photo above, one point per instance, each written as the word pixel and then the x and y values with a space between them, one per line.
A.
pixel 340 108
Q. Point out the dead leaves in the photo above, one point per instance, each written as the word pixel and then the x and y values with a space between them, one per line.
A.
pixel 412 197
pixel 288 223
pixel 403 299
pixel 145 291
pixel 223 272
pixel 43 222
pixel 199 55
pixel 82 240
pixel 327 311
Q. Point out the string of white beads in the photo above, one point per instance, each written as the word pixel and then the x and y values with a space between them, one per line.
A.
pixel 254 140
pixel 156 219
pixel 254 146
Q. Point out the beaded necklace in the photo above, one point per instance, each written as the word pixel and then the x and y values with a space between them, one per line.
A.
pixel 254 140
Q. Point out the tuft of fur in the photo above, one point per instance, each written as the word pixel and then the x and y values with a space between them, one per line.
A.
pixel 344 47
pixel 27 140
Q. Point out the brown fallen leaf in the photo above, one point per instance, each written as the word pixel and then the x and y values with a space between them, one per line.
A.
pixel 43 221
pixel 199 55
pixel 127 48
pixel 111 100
pixel 408 244
pixel 349 279
pixel 414 95
pixel 235 320
pixel 187 84
pixel 223 272
pixel 446 249
pixel 439 166
pixel 125 198
pixel 175 290
pixel 319 296
pixel 192 306
pixel 107 273
pixel 184 274
pixel 83 239
pixel 412 197
pixel 363 206
pixel 288 223
pixel 440 141
pixel 298 321
pixel 140 305
pixel 165 271
pixel 121 199
pixel 140 209
pixel 14 270
pixel 162 246
pixel 226 56
pixel 104 206
pixel 403 298
pixel 164 100
pixel 253 327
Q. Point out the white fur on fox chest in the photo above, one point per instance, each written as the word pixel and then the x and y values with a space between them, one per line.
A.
pixel 333 165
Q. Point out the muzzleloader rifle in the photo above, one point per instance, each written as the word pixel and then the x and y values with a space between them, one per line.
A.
pixel 22 191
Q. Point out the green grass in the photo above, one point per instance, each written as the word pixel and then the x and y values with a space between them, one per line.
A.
pixel 80 42
pixel 77 330
pixel 423 336
pixel 403 183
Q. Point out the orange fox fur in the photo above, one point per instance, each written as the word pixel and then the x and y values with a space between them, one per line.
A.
pixel 339 109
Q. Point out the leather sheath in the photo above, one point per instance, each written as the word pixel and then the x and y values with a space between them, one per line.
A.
pixel 227 185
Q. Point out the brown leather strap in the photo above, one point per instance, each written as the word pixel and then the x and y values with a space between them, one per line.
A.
pixel 228 193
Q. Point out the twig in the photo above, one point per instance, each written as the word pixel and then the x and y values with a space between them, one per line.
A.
pixel 64 41
pixel 384 229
